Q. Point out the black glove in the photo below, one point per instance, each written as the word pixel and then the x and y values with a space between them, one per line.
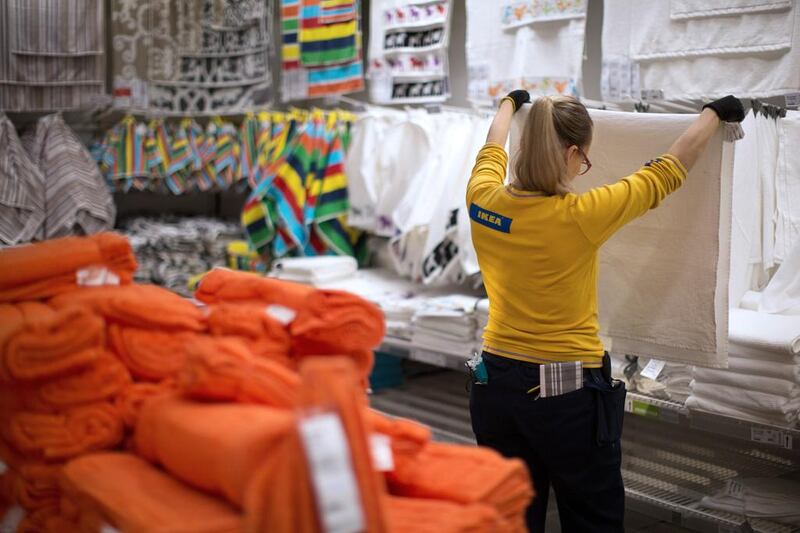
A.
pixel 518 98
pixel 728 109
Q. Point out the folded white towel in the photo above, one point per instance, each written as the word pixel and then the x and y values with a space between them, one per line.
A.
pixel 789 370
pixel 753 401
pixel 315 270
pixel 781 387
pixel 773 499
pixel 761 330
pixel 723 407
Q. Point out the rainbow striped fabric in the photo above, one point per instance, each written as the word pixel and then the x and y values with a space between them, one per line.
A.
pixel 320 49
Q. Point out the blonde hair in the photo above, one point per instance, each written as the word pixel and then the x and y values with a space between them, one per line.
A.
pixel 554 123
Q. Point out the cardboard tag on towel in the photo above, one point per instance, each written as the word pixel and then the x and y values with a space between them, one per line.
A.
pixel 332 476
pixel 560 378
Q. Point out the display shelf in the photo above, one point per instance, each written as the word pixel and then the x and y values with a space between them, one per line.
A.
pixel 454 360
pixel 665 478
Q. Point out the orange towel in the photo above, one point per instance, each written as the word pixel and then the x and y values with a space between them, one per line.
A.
pixel 130 401
pixel 408 438
pixel 45 269
pixel 60 436
pixel 31 484
pixel 37 521
pixel 213 447
pixel 280 497
pixel 101 380
pixel 436 516
pixel 223 369
pixel 129 494
pixel 143 306
pixel 326 319
pixel 266 336
pixel 484 476
pixel 37 342
pixel 151 354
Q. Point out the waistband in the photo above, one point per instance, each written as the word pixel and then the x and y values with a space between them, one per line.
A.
pixel 526 374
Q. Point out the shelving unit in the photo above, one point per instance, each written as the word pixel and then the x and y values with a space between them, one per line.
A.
pixel 665 478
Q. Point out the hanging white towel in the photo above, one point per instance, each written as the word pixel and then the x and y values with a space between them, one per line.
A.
pixel 767 169
pixel 543 57
pixel 787 183
pixel 663 286
pixel 688 9
pixel 777 333
pixel 745 213
pixel 782 294
pixel 748 59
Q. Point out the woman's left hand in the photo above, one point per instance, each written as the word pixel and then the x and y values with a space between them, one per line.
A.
pixel 517 98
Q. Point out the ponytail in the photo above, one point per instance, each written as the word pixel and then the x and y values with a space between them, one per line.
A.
pixel 553 124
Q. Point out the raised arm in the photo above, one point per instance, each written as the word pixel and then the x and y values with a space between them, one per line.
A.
pixel 688 147
pixel 498 131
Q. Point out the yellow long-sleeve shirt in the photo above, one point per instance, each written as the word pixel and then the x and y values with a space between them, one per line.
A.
pixel 538 255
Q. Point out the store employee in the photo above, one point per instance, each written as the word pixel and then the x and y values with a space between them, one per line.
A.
pixel 549 398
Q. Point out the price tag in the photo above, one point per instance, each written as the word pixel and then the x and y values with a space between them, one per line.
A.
pixel 106 528
pixel 3 468
pixel 10 521
pixel 649 95
pixel 95 276
pixel 628 405
pixel 645 409
pixel 432 358
pixel 382 456
pixel 282 314
pixel 653 368
pixel 335 487
pixel 793 100
pixel 774 437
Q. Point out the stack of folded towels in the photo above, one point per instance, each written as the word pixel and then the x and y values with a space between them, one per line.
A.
pixel 773 499
pixel 445 322
pixel 762 382
pixel 127 406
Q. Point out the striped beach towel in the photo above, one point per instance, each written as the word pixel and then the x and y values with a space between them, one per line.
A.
pixel 332 11
pixel 325 43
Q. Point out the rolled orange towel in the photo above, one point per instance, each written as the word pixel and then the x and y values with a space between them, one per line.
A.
pixel 42 270
pixel 213 447
pixel 224 285
pixel 129 494
pixel 100 380
pixel 37 520
pixel 142 306
pixel 64 435
pixel 37 342
pixel 281 496
pixel 31 484
pixel 265 336
pixel 131 399
pixel 223 369
pixel 437 516
pixel 151 354
pixel 484 476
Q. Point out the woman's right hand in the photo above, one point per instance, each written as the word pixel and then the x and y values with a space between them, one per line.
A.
pixel 728 109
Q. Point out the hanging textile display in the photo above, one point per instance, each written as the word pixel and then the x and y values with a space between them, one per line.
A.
pixel 699 50
pixel 191 55
pixel 408 51
pixel 321 48
pixel 299 205
pixel 52 55
pixel 183 156
pixel 663 278
pixel 536 45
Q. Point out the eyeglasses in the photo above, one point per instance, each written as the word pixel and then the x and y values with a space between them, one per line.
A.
pixel 586 165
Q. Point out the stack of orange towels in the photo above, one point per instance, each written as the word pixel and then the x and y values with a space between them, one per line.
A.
pixel 213 399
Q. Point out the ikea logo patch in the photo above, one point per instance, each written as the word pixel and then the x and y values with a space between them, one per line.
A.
pixel 490 219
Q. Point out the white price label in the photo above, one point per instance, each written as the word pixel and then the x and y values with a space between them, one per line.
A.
pixel 774 437
pixel 653 368
pixel 734 488
pixel 10 521
pixel 335 486
pixel 382 457
pixel 95 276
pixel 282 314
pixel 3 468
pixel 793 100
pixel 432 358
pixel 106 528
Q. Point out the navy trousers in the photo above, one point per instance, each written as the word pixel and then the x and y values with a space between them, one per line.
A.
pixel 570 442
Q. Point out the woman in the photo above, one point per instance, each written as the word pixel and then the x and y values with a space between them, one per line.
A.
pixel 549 398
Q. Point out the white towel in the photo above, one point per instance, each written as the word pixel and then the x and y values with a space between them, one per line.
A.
pixel 315 270
pixel 686 9
pixel 745 213
pixel 777 333
pixel 788 370
pixel 787 183
pixel 767 169
pixel 773 499
pixel 662 291
pixel 544 58
pixel 723 407
pixel 751 300
pixel 787 388
pixel 782 294
pixel 656 37
pixel 755 401
pixel 745 74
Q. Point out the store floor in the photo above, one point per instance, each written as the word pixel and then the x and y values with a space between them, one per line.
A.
pixel 634 522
